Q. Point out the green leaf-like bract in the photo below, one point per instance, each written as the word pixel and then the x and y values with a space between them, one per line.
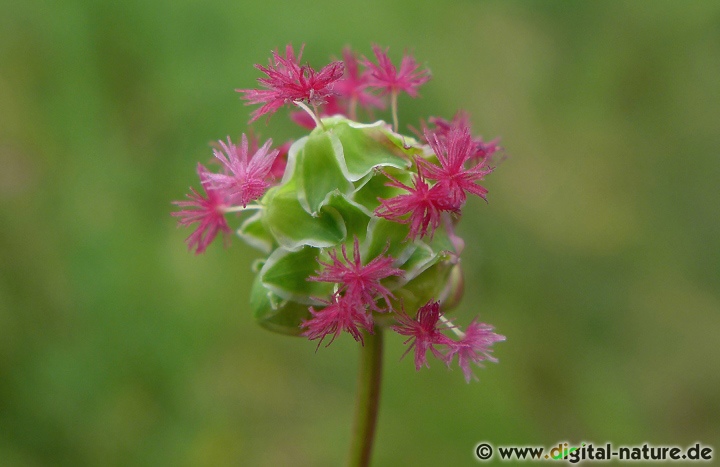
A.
pixel 326 198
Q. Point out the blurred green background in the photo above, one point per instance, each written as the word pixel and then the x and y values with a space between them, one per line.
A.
pixel 598 255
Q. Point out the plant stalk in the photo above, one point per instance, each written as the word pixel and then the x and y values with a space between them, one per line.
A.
pixel 368 399
pixel 393 106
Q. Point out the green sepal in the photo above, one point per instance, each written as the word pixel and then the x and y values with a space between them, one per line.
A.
pixel 375 186
pixel 285 274
pixel 428 285
pixel 354 215
pixel 365 147
pixel 318 174
pixel 440 240
pixel 274 313
pixel 431 251
pixel 421 258
pixel 255 234
pixel 453 292
pixel 292 158
pixel 293 227
pixel 380 232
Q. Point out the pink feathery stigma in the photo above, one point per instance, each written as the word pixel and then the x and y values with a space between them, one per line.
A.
pixel 420 207
pixel 386 77
pixel 206 211
pixel 354 83
pixel 360 284
pixel 424 333
pixel 483 149
pixel 277 170
pixel 289 82
pixel 339 315
pixel 245 178
pixel 460 120
pixel 474 347
pixel 453 151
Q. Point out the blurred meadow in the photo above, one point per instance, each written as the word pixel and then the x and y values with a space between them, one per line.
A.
pixel 598 254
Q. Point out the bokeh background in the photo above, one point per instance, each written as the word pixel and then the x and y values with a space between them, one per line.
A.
pixel 598 255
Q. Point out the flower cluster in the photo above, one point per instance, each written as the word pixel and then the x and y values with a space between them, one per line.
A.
pixel 358 292
pixel 357 220
pixel 425 334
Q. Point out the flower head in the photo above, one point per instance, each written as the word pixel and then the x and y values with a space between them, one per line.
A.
pixel 453 149
pixel 300 204
pixel 474 347
pixel 483 150
pixel 245 179
pixel 460 120
pixel 388 79
pixel 360 284
pixel 339 315
pixel 424 333
pixel 422 203
pixel 207 211
pixel 289 82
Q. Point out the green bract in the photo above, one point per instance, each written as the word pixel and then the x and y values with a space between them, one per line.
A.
pixel 330 189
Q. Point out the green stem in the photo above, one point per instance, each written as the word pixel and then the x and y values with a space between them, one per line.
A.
pixel 368 399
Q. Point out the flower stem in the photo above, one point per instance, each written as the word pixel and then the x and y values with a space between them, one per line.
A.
pixel 353 108
pixel 393 106
pixel 452 327
pixel 312 113
pixel 368 399
pixel 249 207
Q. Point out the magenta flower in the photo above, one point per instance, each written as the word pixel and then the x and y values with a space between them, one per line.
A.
pixel 461 120
pixel 474 347
pixel 277 170
pixel 484 150
pixel 288 82
pixel 443 127
pixel 244 180
pixel 339 315
pixel 388 79
pixel 360 284
pixel 423 332
pixel 423 204
pixel 208 212
pixel 453 150
pixel 354 84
